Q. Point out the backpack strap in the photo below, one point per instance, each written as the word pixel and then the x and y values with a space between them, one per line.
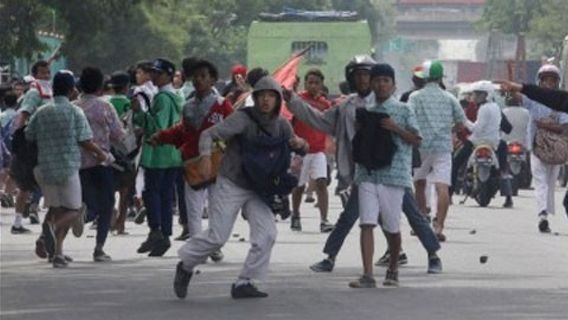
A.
pixel 248 112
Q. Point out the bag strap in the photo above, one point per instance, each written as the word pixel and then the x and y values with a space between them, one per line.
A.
pixel 248 112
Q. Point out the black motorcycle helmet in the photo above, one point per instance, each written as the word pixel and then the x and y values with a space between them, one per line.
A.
pixel 358 62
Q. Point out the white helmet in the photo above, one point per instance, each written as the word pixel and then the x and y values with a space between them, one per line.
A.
pixel 484 86
pixel 548 69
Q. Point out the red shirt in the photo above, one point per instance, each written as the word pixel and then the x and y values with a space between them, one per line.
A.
pixel 186 138
pixel 315 138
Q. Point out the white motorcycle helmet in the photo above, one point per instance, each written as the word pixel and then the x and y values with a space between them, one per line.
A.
pixel 547 70
pixel 485 86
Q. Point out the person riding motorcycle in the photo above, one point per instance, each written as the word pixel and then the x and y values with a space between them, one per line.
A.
pixel 486 130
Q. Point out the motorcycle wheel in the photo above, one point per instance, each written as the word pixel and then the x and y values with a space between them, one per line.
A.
pixel 486 193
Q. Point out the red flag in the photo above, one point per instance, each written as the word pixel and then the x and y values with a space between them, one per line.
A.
pixel 286 76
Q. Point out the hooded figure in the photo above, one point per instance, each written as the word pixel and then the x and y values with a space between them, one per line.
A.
pixel 237 193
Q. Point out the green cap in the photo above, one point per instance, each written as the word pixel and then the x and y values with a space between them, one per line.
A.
pixel 433 70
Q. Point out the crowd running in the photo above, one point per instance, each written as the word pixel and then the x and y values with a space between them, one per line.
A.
pixel 168 142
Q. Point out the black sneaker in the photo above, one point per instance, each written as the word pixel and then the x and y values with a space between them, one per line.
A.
pixel 59 262
pixel 181 281
pixel 543 226
pixel 295 224
pixel 325 265
pixel 246 291
pixel 183 236
pixel 326 227
pixel 67 258
pixel 508 203
pixel 101 256
pixel 153 238
pixel 310 199
pixel 391 279
pixel 384 261
pixel 19 230
pixel 434 265
pixel 48 238
pixel 34 218
pixel 160 247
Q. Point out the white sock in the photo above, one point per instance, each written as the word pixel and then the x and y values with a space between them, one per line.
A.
pixel 18 220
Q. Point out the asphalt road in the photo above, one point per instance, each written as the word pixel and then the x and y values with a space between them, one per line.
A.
pixel 525 277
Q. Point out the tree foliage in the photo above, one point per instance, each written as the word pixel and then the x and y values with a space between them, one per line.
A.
pixel 544 21
pixel 112 34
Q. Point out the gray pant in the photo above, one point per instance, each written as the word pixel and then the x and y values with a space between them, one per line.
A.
pixel 223 211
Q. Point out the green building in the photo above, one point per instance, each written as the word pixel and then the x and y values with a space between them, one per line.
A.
pixel 332 44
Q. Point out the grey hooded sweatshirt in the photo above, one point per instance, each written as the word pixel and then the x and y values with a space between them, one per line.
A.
pixel 239 124
pixel 339 122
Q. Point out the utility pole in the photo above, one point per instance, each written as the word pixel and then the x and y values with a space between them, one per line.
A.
pixel 564 62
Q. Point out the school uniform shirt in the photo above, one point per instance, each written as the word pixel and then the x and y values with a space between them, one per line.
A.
pixel 149 90
pixel 58 128
pixel 437 111
pixel 198 116
pixel 398 174
pixel 487 126
pixel 314 137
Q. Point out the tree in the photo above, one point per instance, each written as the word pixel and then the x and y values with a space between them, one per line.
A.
pixel 19 24
pixel 550 28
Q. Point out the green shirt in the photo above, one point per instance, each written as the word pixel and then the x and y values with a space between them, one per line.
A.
pixel 58 127
pixel 121 104
pixel 164 113
pixel 398 174
pixel 437 112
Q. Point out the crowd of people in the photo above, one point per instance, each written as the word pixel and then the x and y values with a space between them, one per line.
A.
pixel 153 134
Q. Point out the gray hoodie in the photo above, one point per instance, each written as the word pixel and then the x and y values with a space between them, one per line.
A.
pixel 240 124
pixel 338 121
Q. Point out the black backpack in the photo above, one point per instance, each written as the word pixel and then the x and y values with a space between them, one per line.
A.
pixel 373 146
pixel 266 163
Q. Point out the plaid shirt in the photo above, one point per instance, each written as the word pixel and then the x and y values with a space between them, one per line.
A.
pixel 437 111
pixel 398 174
pixel 58 127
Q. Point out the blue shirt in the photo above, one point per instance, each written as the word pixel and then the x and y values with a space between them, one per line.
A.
pixel 398 174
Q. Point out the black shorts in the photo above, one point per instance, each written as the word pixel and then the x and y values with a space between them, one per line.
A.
pixel 23 175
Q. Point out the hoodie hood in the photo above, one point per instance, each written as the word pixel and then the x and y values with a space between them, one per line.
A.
pixel 268 83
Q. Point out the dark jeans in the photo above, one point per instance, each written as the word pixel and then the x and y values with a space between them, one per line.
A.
pixel 465 152
pixel 419 223
pixel 350 214
pixel 343 226
pixel 97 184
pixel 180 193
pixel 158 198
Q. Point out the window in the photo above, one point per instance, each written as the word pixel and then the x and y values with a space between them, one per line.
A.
pixel 316 54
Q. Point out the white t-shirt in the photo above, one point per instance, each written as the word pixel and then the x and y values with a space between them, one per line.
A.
pixel 519 118
pixel 486 128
